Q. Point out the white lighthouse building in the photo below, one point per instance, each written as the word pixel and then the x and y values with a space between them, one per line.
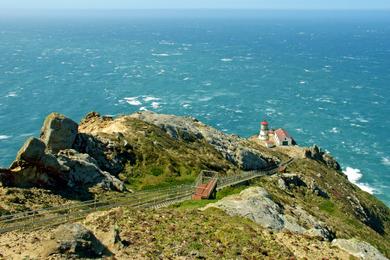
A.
pixel 264 131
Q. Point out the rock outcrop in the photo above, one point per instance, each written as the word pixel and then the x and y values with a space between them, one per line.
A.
pixel 360 249
pixel 189 129
pixel 317 154
pixel 50 161
pixel 257 205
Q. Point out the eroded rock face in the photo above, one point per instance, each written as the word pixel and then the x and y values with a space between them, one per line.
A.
pixel 58 132
pixel 257 205
pixel 190 129
pixel 83 171
pixel 317 154
pixel 360 249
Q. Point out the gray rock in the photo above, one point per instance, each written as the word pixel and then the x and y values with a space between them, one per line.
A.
pixel 74 240
pixel 250 160
pixel 58 132
pixel 255 204
pixel 84 172
pixel 32 150
pixel 360 249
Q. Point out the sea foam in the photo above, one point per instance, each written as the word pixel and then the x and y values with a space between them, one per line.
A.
pixel 354 175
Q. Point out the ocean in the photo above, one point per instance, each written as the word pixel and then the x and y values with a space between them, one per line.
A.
pixel 323 76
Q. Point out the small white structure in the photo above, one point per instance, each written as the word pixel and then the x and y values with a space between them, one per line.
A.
pixel 282 138
pixel 264 131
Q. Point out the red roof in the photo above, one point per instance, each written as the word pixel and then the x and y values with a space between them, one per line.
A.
pixel 282 134
pixel 264 123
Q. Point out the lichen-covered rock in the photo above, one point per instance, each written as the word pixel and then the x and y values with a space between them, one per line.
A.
pixel 58 132
pixel 32 150
pixel 360 249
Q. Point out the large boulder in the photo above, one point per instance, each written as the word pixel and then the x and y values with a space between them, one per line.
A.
pixel 360 249
pixel 255 204
pixel 58 132
pixel 74 241
pixel 32 150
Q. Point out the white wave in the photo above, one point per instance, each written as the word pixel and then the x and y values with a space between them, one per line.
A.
pixel 4 137
pixel 226 59
pixel 362 120
pixel 155 105
pixel 164 42
pixel 150 98
pixel 143 109
pixel 186 78
pixel 354 175
pixel 133 101
pixel 334 130
pixel 11 94
pixel 160 54
pixel 386 161
pixel 205 99
pixel 302 82
pixel 186 105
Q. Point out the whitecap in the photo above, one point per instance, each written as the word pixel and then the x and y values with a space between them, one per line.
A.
pixel 205 99
pixel 386 161
pixel 302 82
pixel 133 101
pixel 226 59
pixel 143 109
pixel 4 137
pixel 354 175
pixel 164 42
pixel 155 105
pixel 150 98
pixel 334 130
pixel 362 120
pixel 186 105
pixel 186 78
pixel 11 94
pixel 160 54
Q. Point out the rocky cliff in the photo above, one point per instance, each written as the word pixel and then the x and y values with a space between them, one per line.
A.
pixel 309 210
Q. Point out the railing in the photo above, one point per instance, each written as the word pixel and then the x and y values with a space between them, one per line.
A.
pixel 35 219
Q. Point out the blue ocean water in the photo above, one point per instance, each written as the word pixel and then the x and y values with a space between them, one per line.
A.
pixel 322 76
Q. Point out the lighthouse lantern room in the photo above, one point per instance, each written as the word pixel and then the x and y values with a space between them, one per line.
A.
pixel 264 131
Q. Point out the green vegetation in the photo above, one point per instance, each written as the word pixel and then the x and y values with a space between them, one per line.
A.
pixel 327 206
pixel 171 233
pixel 161 161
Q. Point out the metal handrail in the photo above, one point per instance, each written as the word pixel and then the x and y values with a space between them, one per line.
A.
pixel 35 219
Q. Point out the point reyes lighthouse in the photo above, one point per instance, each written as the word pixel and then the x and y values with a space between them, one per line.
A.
pixel 271 138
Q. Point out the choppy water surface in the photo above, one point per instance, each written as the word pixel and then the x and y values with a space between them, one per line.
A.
pixel 325 80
